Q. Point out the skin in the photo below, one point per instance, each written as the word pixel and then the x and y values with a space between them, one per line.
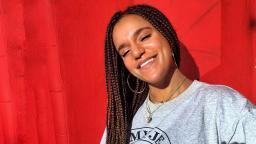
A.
pixel 148 56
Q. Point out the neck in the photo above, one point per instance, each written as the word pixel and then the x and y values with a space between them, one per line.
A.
pixel 173 89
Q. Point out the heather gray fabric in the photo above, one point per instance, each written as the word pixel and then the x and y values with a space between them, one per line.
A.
pixel 202 114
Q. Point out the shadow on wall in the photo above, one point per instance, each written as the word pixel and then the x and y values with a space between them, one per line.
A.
pixel 187 63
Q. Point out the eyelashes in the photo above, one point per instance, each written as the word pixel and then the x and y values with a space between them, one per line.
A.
pixel 145 37
pixel 125 53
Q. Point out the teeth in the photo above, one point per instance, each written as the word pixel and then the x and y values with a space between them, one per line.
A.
pixel 150 60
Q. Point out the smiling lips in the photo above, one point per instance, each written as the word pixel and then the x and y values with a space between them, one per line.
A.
pixel 146 63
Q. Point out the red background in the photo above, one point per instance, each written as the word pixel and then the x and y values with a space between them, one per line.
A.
pixel 52 87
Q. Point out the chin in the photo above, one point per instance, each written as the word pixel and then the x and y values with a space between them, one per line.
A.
pixel 160 79
pixel 154 80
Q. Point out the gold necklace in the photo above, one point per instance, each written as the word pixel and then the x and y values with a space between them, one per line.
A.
pixel 150 113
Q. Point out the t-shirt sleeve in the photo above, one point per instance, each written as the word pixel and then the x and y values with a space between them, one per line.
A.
pixel 245 129
pixel 104 137
pixel 237 119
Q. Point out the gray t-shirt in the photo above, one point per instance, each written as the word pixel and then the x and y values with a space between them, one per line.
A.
pixel 202 114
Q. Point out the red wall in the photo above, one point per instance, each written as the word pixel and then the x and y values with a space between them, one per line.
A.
pixel 52 87
pixel 215 34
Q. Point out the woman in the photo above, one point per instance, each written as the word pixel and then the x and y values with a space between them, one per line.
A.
pixel 151 101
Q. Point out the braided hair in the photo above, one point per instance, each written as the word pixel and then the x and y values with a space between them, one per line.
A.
pixel 122 102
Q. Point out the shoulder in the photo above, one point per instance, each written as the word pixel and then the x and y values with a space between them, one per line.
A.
pixel 226 99
pixel 219 90
pixel 221 93
pixel 234 114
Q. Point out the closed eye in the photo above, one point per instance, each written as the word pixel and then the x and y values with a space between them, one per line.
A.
pixel 125 53
pixel 145 37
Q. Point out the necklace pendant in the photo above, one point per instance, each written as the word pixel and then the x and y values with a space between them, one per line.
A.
pixel 149 119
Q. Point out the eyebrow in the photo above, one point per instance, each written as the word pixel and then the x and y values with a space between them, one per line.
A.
pixel 136 33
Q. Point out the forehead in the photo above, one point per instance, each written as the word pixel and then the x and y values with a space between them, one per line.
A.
pixel 128 24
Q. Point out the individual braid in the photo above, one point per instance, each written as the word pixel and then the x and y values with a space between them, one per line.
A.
pixel 122 102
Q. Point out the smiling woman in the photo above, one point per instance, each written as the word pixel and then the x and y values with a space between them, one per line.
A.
pixel 151 101
pixel 144 50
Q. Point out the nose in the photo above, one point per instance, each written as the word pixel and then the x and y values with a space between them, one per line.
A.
pixel 138 51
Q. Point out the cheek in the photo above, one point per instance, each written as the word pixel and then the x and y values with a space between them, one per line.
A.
pixel 131 68
pixel 165 53
pixel 165 47
pixel 128 64
pixel 158 43
pixel 154 44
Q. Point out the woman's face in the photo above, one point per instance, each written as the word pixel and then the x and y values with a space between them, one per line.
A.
pixel 144 50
